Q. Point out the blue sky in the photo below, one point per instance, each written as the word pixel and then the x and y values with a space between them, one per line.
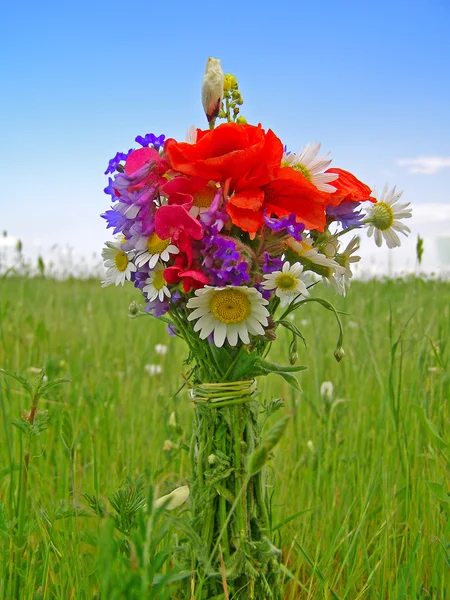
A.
pixel 370 80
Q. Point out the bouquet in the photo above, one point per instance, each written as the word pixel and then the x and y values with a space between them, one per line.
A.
pixel 225 233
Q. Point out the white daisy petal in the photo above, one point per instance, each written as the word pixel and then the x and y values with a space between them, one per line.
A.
pixel 229 313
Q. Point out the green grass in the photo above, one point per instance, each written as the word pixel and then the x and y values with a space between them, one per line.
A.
pixel 369 471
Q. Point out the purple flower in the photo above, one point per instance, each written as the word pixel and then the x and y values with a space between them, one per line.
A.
pixel 116 220
pixel 114 162
pixel 346 214
pixel 266 294
pixel 238 275
pixel 288 224
pixel 157 308
pixel 271 264
pixel 151 139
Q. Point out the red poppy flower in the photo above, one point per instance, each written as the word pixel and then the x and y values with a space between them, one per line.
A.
pixel 348 189
pixel 245 155
pixel 289 192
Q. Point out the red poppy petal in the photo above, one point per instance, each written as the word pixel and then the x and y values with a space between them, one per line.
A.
pixel 348 189
pixel 247 220
pixel 249 198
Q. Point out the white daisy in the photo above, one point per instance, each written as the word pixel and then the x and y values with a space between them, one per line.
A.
pixel 382 217
pixel 286 283
pixel 312 166
pixel 230 312
pixel 118 264
pixel 306 250
pixel 156 284
pixel 325 266
pixel 155 249
pixel 346 259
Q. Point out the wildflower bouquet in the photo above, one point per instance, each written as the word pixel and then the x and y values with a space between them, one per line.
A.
pixel 224 234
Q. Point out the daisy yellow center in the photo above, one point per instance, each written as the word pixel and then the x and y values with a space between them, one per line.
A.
pixel 382 216
pixel 158 280
pixel 303 170
pixel 121 261
pixel 230 306
pixel 155 245
pixel 204 198
pixel 286 282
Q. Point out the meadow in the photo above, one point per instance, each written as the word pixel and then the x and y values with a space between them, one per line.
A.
pixel 360 480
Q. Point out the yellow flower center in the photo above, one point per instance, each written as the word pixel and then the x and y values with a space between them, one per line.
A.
pixel 382 216
pixel 300 168
pixel 121 260
pixel 158 280
pixel 286 282
pixel 230 306
pixel 155 245
pixel 204 198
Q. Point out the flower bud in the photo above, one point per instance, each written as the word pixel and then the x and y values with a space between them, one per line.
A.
pixel 229 82
pixel 212 89
pixel 174 499
pixel 212 459
pixel 339 354
pixel 326 390
pixel 241 120
pixel 173 420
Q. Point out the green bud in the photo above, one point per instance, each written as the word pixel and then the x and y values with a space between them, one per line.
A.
pixel 133 309
pixel 339 354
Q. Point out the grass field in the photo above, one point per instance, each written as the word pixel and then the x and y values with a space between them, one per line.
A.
pixel 368 468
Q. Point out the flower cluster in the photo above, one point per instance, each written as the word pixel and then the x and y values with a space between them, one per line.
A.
pixel 228 226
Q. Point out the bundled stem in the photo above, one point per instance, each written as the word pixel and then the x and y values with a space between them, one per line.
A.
pixel 230 506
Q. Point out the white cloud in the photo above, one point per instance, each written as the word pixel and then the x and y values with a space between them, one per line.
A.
pixel 425 165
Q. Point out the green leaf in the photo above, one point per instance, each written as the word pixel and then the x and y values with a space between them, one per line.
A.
pixel 290 518
pixel 263 367
pixel 244 365
pixel 437 490
pixel 67 431
pixel 429 427
pixel 23 382
pixel 276 368
pixel 43 389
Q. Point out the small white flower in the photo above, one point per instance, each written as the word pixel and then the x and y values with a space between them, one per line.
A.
pixel 153 249
pixel 156 287
pixel 383 217
pixel 118 264
pixel 312 167
pixel 287 283
pixel 153 369
pixel 174 499
pixel 230 312
pixel 327 390
pixel 161 349
pixel 327 267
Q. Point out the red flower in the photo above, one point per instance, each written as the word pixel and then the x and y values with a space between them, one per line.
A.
pixel 191 278
pixel 244 154
pixel 348 189
pixel 174 221
pixel 288 192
